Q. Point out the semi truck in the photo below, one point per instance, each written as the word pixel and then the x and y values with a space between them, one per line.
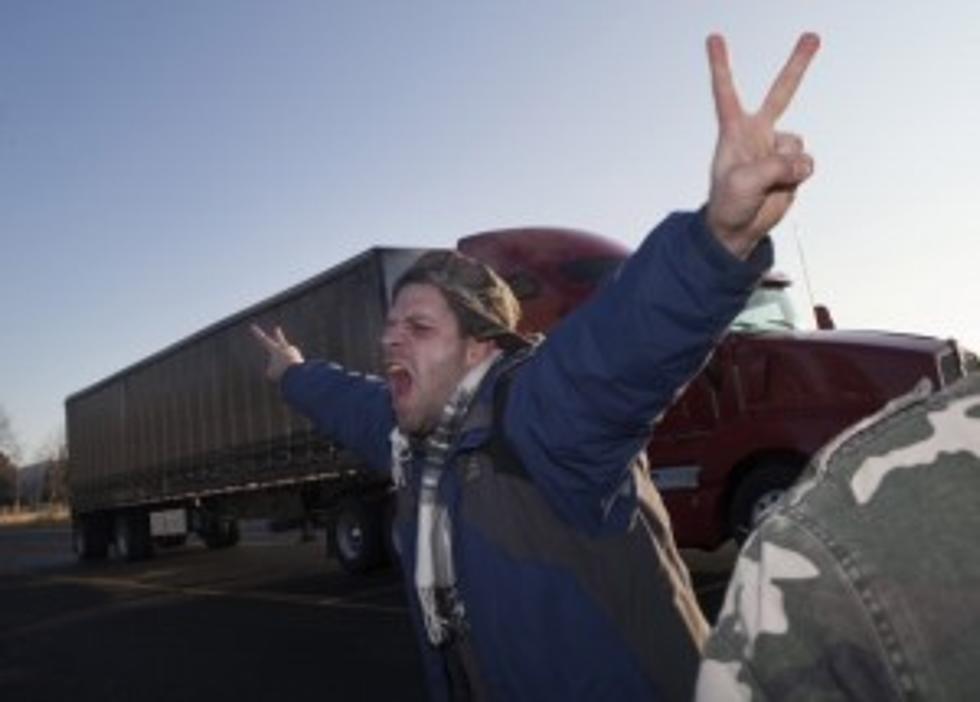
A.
pixel 193 438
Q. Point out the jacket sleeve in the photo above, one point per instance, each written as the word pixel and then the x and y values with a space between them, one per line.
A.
pixel 793 626
pixel 585 405
pixel 350 408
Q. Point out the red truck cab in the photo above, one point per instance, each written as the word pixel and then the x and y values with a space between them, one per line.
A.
pixel 768 399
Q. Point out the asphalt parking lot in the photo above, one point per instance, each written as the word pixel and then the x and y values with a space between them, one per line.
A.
pixel 268 619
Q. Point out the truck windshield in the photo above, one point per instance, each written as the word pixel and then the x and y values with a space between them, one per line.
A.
pixel 768 309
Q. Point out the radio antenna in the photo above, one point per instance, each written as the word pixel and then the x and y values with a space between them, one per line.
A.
pixel 806 272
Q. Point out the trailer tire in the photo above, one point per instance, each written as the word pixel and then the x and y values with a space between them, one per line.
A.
pixel 758 492
pixel 131 535
pixel 90 536
pixel 223 533
pixel 355 536
pixel 170 541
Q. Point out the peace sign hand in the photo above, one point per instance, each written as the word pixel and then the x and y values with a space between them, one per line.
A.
pixel 755 170
pixel 282 354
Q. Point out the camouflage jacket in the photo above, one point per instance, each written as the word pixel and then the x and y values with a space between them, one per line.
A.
pixel 864 584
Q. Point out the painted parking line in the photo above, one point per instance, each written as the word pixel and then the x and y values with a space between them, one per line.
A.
pixel 348 602
pixel 365 593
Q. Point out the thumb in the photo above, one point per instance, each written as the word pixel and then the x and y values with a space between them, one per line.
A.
pixel 777 171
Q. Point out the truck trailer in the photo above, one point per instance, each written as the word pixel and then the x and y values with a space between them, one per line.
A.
pixel 193 438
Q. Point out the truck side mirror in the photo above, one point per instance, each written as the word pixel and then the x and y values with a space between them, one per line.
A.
pixel 823 317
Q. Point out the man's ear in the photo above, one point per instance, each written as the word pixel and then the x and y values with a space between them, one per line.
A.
pixel 478 351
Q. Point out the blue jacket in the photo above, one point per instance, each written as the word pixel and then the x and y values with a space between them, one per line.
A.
pixel 565 561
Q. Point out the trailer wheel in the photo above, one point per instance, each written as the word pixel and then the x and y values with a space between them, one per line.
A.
pixel 758 492
pixel 90 536
pixel 131 535
pixel 356 535
pixel 222 533
pixel 170 541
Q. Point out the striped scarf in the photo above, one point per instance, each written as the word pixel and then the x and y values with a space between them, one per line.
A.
pixel 435 577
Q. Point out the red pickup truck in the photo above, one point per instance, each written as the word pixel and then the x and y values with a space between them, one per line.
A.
pixel 771 395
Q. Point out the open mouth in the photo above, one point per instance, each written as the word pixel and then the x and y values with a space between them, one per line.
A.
pixel 399 380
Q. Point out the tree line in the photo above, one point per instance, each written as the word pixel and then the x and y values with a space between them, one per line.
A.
pixel 49 472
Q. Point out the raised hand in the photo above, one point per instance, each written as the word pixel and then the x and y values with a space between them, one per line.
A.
pixel 282 354
pixel 755 170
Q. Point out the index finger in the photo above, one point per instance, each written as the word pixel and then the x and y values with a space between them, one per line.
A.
pixel 722 84
pixel 790 77
pixel 260 334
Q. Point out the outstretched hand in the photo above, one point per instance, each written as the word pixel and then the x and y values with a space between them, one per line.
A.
pixel 282 354
pixel 755 170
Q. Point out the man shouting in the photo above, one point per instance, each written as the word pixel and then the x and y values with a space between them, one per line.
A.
pixel 538 556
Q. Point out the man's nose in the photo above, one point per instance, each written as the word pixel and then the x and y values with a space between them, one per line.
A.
pixel 392 336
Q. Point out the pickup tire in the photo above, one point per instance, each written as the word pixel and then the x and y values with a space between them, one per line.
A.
pixel 131 535
pixel 355 535
pixel 90 536
pixel 757 492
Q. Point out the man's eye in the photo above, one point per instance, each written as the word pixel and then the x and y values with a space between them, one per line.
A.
pixel 419 328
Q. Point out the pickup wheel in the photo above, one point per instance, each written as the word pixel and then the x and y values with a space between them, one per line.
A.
pixel 90 536
pixel 356 535
pixel 131 535
pixel 756 494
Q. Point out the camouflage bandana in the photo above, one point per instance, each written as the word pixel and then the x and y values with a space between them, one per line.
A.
pixel 483 302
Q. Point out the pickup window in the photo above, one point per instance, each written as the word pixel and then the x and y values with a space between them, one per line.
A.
pixel 768 309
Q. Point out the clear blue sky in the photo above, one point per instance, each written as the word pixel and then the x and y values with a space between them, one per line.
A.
pixel 163 165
